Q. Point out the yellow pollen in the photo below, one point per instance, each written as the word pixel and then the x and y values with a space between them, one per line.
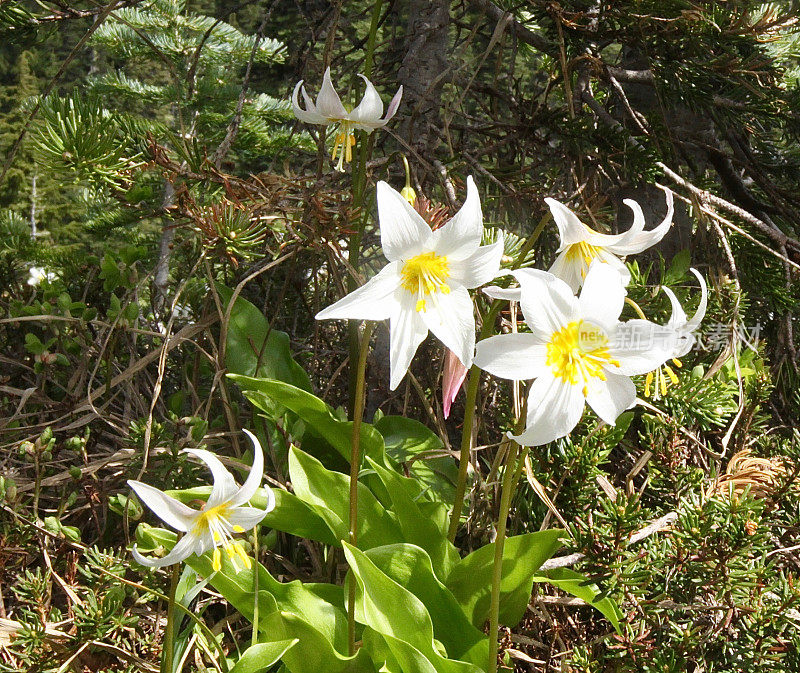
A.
pixel 579 353
pixel 585 253
pixel 424 276
pixel 216 560
pixel 343 145
pixel 238 529
pixel 677 363
pixel 660 377
pixel 208 518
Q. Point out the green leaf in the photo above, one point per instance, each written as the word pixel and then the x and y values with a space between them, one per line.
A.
pixel 411 567
pixel 328 493
pixel 407 441
pixel 678 267
pixel 418 528
pixel 581 586
pixel 254 348
pixel 261 656
pixel 317 415
pixel 470 580
pixel 399 617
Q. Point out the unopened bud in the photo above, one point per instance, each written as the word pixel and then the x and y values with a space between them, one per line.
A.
pixel 408 192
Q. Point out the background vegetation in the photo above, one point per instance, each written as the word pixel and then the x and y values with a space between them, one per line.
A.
pixel 150 163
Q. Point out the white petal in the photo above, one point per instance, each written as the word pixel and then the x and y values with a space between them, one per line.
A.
pixel 224 485
pixel 450 317
pixel 171 511
pixel 370 108
pixel 512 356
pixel 700 313
pixel 461 235
pixel 182 550
pixel 253 481
pixel 554 409
pixel 406 332
pixel 637 240
pixel 372 301
pixel 570 229
pixel 504 293
pixel 369 126
pixel 394 104
pixel 329 104
pixel 611 397
pixel 404 233
pixel 546 301
pixel 603 295
pixel 480 267
pixel 640 346
pixel 568 268
pixel 678 318
pixel 247 517
pixel 310 114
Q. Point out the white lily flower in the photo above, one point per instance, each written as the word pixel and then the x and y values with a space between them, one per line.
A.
pixel 684 328
pixel 212 526
pixel 329 109
pixel 581 245
pixel 577 351
pixel 424 286
pixel 38 274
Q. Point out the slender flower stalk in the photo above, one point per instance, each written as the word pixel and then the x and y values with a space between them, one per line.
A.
pixel 212 527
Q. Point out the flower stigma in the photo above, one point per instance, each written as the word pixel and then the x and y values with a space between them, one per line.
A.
pixel 425 275
pixel 578 353
pixel 215 521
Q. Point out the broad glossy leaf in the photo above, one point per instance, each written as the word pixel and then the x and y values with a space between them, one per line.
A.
pixel 254 348
pixel 399 617
pixel 411 567
pixel 261 656
pixel 581 586
pixel 470 580
pixel 318 416
pixel 328 493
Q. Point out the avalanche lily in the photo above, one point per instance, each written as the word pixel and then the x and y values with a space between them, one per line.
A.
pixel 329 109
pixel 577 351
pixel 684 329
pixel 37 274
pixel 424 286
pixel 212 526
pixel 581 245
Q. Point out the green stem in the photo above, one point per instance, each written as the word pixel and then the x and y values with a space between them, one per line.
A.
pixel 466 432
pixel 509 482
pixel 355 463
pixel 254 637
pixel 167 652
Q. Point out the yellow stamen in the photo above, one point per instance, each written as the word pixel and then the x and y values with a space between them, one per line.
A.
pixel 584 252
pixel 216 560
pixel 343 145
pixel 677 363
pixel 424 276
pixel 579 353
pixel 671 374
pixel 238 529
pixel 647 383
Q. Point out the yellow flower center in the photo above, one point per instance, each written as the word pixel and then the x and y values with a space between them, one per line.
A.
pixel 343 145
pixel 660 376
pixel 425 275
pixel 215 521
pixel 578 353
pixel 583 252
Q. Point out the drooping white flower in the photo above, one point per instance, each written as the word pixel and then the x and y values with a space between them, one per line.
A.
pixel 328 109
pixel 577 351
pixel 213 526
pixel 581 245
pixel 424 286
pixel 38 274
pixel 684 329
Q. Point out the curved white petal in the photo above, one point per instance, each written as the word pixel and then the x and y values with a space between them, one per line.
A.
pixel 640 346
pixel 603 295
pixel 171 511
pixel 253 481
pixel 372 301
pixel 182 550
pixel 404 233
pixel 638 240
pixel 370 108
pixel 554 409
pixel 568 268
pixel 517 357
pixel 247 517
pixel 678 318
pixel 504 293
pixel 609 398
pixel 224 485
pixel 480 267
pixel 310 114
pixel 406 332
pixel 546 301
pixel 700 313
pixel 461 235
pixel 329 105
pixel 394 104
pixel 570 229
pixel 450 317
